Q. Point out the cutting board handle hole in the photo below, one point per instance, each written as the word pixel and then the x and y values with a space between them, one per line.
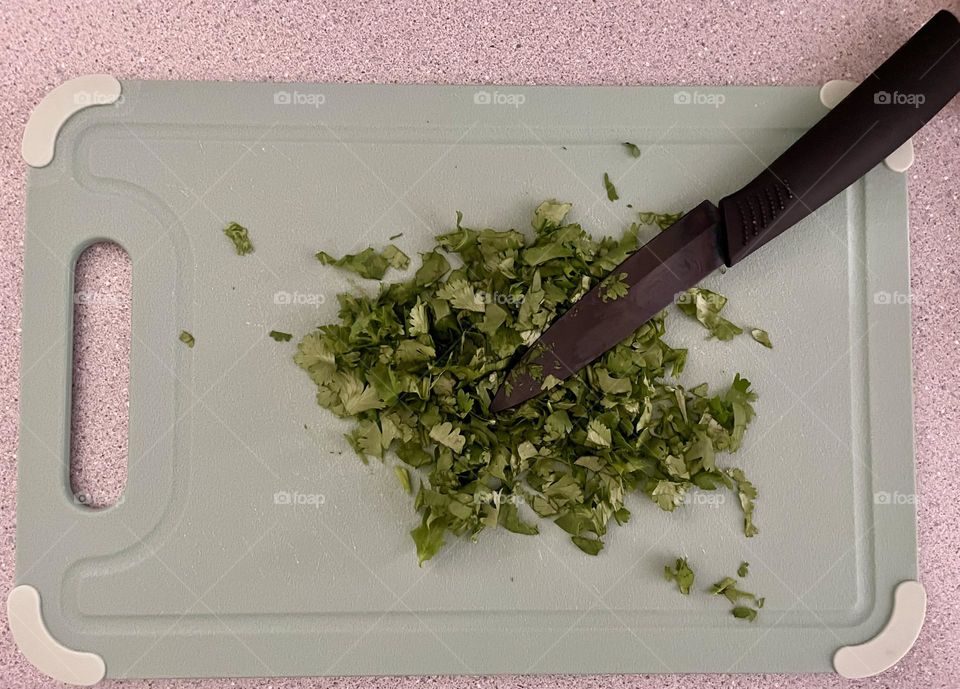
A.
pixel 99 417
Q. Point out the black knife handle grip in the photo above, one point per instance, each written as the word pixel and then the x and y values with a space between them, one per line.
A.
pixel 882 113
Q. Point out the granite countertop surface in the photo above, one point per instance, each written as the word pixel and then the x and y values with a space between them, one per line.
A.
pixel 711 42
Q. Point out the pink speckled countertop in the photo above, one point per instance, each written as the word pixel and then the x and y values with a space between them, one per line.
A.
pixel 560 42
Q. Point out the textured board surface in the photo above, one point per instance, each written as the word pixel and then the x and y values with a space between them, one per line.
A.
pixel 241 583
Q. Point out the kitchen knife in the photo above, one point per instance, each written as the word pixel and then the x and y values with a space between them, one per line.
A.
pixel 878 116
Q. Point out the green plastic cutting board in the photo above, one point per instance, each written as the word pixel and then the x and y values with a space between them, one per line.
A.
pixel 251 541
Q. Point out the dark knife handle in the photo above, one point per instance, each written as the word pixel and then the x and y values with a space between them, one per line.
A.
pixel 879 115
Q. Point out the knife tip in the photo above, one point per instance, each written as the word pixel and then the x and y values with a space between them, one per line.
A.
pixel 500 401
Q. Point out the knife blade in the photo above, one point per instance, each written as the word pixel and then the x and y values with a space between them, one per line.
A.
pixel 878 116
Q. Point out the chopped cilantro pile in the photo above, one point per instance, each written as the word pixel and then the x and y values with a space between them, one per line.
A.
pixel 417 364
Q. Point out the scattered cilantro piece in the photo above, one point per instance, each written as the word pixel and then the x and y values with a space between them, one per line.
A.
pixel 396 236
pixel 683 575
pixel 611 190
pixel 614 287
pixel 747 494
pixel 680 573
pixel 591 546
pixel 728 587
pixel 661 220
pixel 280 336
pixel 762 337
pixel 368 263
pixel 403 476
pixel 241 240
pixel 743 569
pixel 549 214
pixel 415 366
pixel 428 537
pixel 632 149
pixel 706 306
pixel 187 339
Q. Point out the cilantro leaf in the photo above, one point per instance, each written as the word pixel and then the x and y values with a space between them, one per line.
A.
pixel 428 538
pixel 611 190
pixel 680 573
pixel 598 434
pixel 747 494
pixel 403 476
pixel 614 287
pixel 187 339
pixel 706 306
pixel 632 149
pixel 661 220
pixel 591 546
pixel 762 337
pixel 510 520
pixel 461 295
pixel 550 214
pixel 237 234
pixel 368 263
pixel 446 434
pixel 280 336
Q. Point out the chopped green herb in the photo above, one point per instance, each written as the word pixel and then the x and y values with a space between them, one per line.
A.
pixel 611 190
pixel 614 287
pixel 747 494
pixel 633 149
pixel 241 240
pixel 680 573
pixel 396 258
pixel 416 364
pixel 762 337
pixel 187 339
pixel 744 613
pixel 368 263
pixel 591 546
pixel 661 220
pixel 727 587
pixel 280 336
pixel 743 569
pixel 396 236
pixel 403 475
pixel 706 306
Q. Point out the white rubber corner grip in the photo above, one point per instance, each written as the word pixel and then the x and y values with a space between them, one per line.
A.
pixel 835 91
pixel 46 653
pixel 894 640
pixel 67 99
